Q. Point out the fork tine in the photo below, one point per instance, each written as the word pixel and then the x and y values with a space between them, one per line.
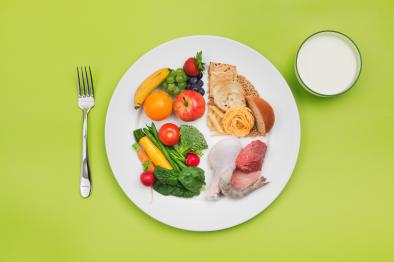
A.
pixel 79 83
pixel 87 83
pixel 91 82
pixel 85 93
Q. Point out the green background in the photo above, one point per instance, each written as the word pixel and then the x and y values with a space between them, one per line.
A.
pixel 338 205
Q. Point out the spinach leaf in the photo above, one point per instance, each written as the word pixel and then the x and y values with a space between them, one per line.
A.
pixel 187 183
pixel 178 191
pixel 166 176
pixel 162 188
pixel 192 178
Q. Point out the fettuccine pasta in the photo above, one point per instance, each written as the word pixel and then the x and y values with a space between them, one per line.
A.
pixel 238 121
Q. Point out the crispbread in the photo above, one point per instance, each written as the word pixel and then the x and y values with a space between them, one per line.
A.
pixel 219 74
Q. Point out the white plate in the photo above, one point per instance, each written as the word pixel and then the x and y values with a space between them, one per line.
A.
pixel 198 214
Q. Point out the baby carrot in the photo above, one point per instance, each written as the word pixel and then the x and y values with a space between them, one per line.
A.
pixel 143 157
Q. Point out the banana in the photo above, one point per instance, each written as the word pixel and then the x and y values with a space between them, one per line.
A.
pixel 147 86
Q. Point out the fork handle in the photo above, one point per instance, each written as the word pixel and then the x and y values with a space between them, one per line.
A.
pixel 85 181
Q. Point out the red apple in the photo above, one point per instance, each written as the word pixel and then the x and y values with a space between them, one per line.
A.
pixel 189 105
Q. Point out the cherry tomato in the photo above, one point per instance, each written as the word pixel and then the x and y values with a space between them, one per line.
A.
pixel 147 178
pixel 192 159
pixel 169 134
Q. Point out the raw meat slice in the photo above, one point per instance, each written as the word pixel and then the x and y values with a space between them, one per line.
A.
pixel 251 157
pixel 231 192
pixel 241 180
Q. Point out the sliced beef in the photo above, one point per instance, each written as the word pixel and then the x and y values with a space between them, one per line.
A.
pixel 250 158
pixel 231 192
pixel 241 180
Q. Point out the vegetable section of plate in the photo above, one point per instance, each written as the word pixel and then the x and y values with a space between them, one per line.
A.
pixel 202 133
pixel 170 154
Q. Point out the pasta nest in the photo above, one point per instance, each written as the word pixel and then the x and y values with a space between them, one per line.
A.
pixel 238 121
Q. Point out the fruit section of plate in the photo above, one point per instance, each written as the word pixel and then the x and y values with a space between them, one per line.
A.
pixel 170 154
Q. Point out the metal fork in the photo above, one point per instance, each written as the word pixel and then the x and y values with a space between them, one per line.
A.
pixel 85 102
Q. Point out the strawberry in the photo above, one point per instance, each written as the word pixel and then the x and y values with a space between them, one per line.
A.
pixel 194 65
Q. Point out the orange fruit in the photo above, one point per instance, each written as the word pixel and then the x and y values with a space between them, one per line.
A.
pixel 158 105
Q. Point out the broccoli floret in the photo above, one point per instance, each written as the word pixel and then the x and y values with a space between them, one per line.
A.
pixel 192 141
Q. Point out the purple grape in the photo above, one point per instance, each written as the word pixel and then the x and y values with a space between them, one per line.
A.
pixel 193 80
pixel 200 83
pixel 189 86
pixel 201 91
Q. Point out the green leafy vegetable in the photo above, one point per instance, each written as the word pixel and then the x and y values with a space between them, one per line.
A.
pixel 166 176
pixel 168 190
pixel 186 183
pixel 192 178
pixel 192 141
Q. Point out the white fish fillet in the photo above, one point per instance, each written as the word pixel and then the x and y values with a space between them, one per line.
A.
pixel 221 158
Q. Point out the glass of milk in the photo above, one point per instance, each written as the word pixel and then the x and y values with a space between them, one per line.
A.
pixel 328 63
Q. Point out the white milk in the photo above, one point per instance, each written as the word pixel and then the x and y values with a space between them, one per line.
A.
pixel 328 63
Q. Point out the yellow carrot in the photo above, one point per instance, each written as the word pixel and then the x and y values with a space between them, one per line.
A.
pixel 153 152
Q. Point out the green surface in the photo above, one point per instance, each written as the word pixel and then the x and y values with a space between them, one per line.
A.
pixel 338 205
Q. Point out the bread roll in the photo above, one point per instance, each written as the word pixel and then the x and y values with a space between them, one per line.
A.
pixel 263 113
